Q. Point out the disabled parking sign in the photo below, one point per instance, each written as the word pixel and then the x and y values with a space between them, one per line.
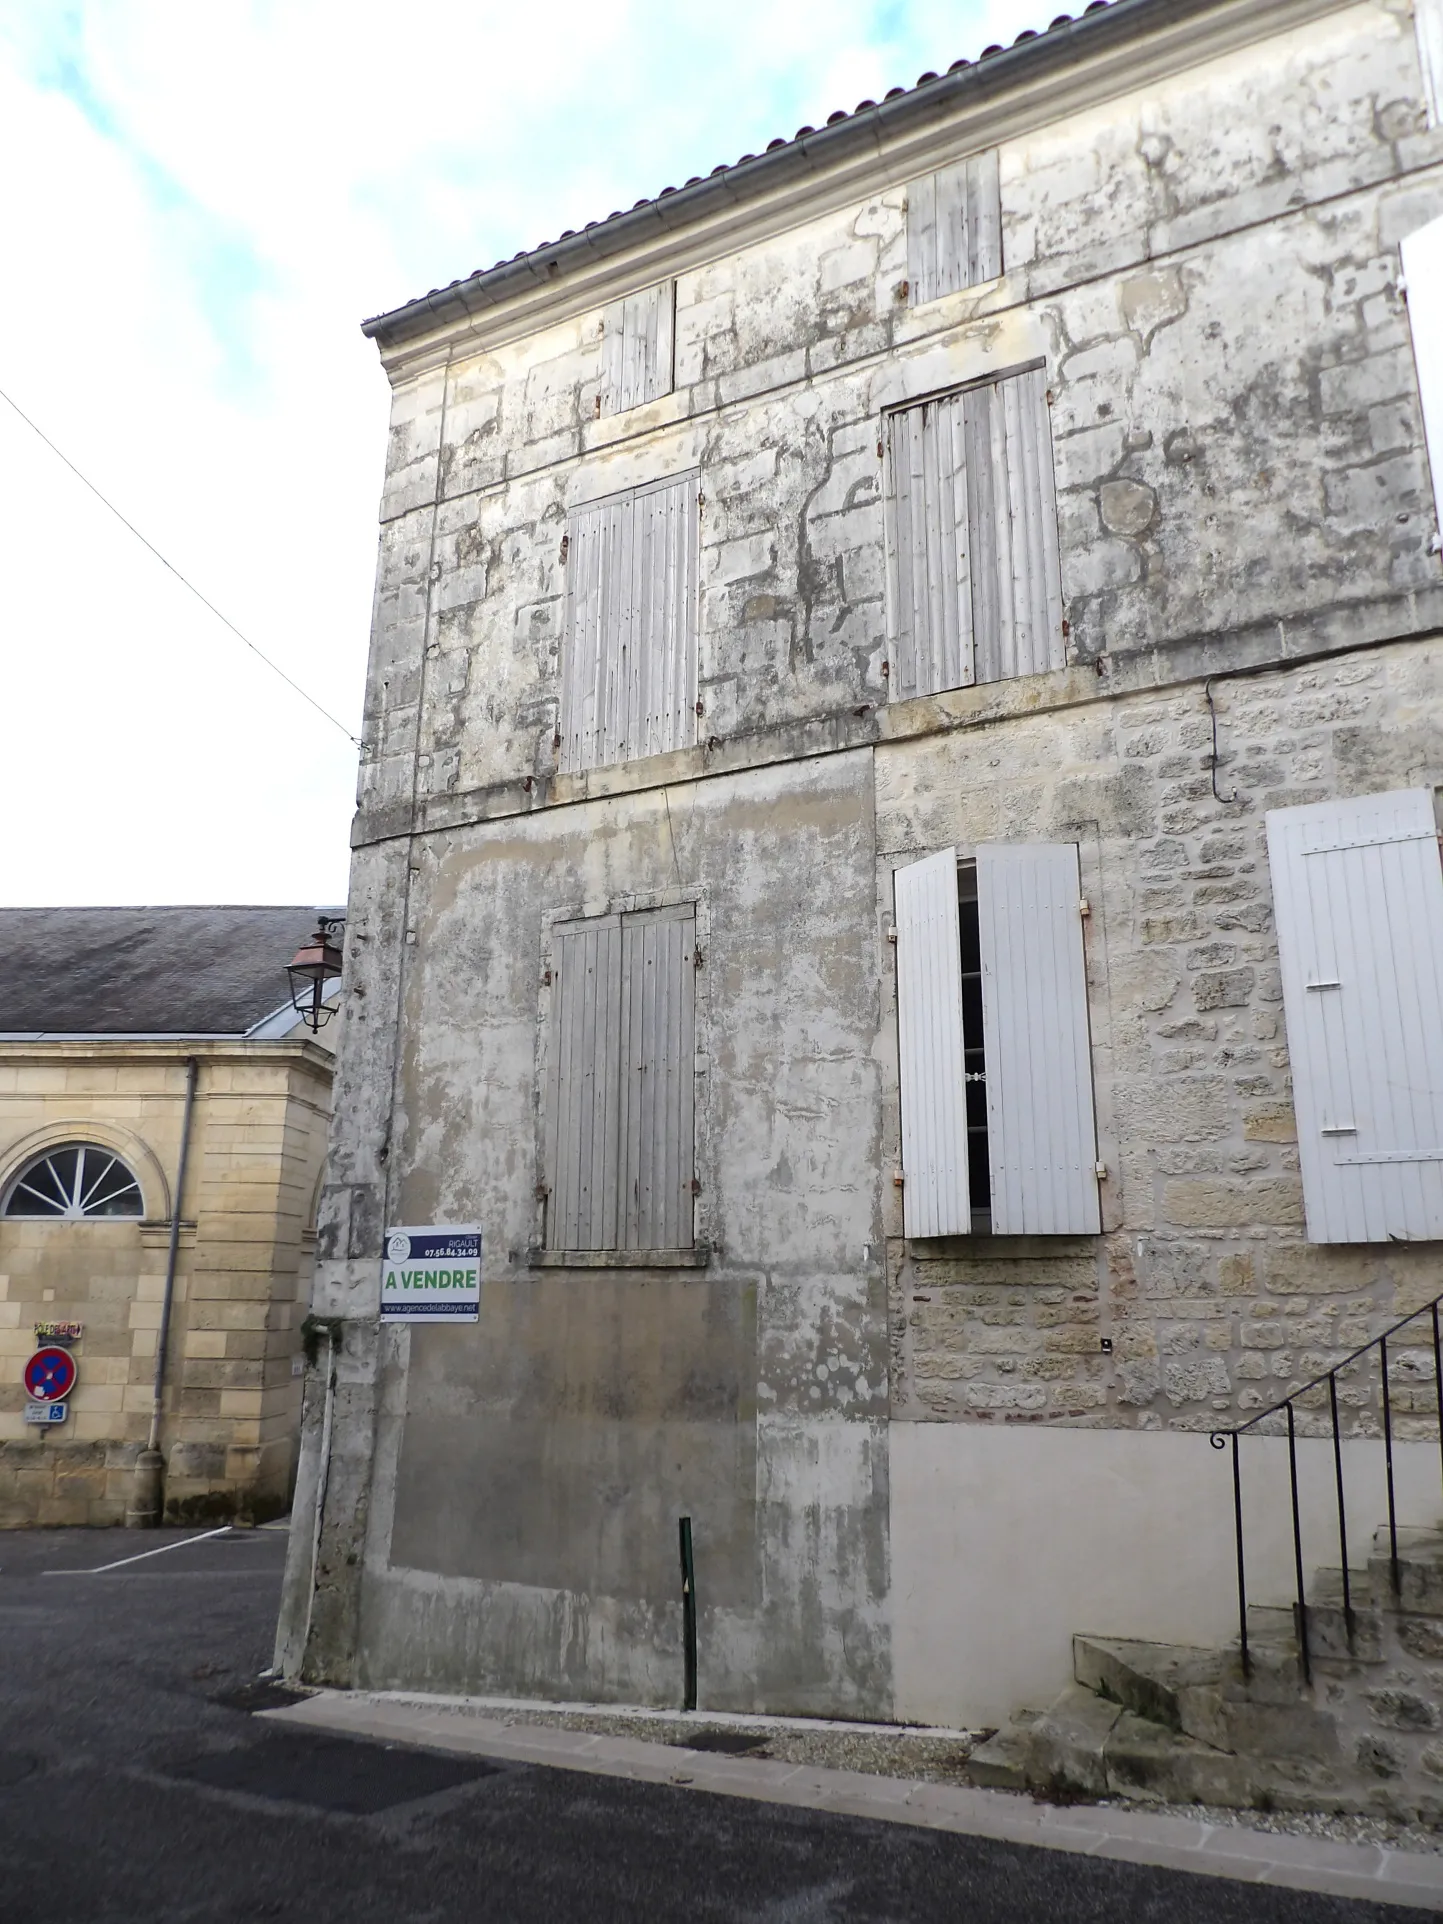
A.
pixel 432 1275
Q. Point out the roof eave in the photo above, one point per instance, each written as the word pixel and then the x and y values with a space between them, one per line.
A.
pixel 1120 21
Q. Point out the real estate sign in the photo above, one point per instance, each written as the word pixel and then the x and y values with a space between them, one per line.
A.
pixel 432 1275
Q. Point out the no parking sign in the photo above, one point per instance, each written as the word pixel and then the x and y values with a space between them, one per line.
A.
pixel 50 1374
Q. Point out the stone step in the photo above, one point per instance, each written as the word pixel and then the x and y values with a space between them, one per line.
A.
pixel 1001 1762
pixel 1148 1679
pixel 1420 1571
pixel 1084 1746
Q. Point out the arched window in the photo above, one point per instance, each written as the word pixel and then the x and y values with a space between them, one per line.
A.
pixel 77 1181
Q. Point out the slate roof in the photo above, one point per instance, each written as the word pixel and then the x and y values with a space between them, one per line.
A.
pixel 899 109
pixel 145 971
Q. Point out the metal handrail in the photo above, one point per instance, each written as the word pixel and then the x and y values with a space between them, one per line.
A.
pixel 1223 1439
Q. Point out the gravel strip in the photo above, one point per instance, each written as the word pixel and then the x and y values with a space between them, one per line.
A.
pixel 934 1760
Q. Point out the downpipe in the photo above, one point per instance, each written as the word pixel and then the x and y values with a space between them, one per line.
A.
pixel 147 1499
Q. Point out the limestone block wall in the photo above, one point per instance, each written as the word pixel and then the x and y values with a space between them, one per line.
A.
pixel 245 1261
pixel 1209 1300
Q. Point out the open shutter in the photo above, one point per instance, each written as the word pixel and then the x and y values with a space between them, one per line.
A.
pixel 584 1087
pixel 1422 253
pixel 1428 26
pixel 1012 529
pixel 1041 1132
pixel 935 1198
pixel 1358 894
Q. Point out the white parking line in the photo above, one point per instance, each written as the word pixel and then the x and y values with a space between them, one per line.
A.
pixel 141 1555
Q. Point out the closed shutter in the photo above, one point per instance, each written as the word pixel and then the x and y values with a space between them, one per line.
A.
pixel 1358 895
pixel 954 228
pixel 656 1024
pixel 629 667
pixel 977 592
pixel 935 1198
pixel 933 645
pixel 1041 1132
pixel 1422 253
pixel 583 1145
pixel 620 1109
pixel 636 348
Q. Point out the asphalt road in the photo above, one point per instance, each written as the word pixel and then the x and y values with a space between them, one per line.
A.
pixel 133 1792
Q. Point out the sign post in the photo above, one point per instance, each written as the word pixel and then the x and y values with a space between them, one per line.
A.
pixel 432 1275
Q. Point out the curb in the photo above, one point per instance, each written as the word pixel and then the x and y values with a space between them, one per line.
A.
pixel 1366 1871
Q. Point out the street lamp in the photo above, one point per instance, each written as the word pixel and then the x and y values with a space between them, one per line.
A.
pixel 317 962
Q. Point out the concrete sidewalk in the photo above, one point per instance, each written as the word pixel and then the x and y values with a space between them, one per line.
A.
pixel 1367 1872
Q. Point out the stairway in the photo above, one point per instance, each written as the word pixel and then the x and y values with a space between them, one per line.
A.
pixel 1175 1724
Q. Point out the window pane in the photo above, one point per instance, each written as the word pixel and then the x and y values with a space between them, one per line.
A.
pixel 78 1180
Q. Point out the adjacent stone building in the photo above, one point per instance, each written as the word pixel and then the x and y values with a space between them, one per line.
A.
pixel 106 1015
pixel 846 633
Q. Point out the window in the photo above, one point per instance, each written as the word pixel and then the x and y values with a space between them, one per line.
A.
pixel 619 1101
pixel 79 1181
pixel 954 228
pixel 636 348
pixel 996 1063
pixel 972 546
pixel 629 669
pixel 1422 253
pixel 1358 897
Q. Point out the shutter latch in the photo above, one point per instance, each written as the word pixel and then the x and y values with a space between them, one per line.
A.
pixel 891 935
pixel 1084 908
pixel 1099 1169
pixel 898 1179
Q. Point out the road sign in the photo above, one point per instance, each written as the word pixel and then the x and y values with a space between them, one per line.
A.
pixel 432 1275
pixel 46 1413
pixel 50 1374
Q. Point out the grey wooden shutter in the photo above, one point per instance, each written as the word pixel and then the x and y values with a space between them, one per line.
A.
pixel 933 595
pixel 584 1086
pixel 1041 1131
pixel 1012 529
pixel 656 1022
pixel 935 1198
pixel 1358 896
pixel 629 660
pixel 637 348
pixel 620 1133
pixel 954 228
pixel 1422 253
pixel 973 550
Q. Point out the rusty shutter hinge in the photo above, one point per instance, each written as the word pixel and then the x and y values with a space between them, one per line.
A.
pixel 546 979
pixel 695 1186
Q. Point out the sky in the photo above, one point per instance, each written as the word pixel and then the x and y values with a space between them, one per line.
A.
pixel 201 204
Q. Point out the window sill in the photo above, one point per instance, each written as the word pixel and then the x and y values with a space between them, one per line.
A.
pixel 697 1258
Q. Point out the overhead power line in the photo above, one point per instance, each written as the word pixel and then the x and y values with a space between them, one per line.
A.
pixel 205 602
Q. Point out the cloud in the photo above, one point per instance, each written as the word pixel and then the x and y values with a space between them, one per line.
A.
pixel 202 205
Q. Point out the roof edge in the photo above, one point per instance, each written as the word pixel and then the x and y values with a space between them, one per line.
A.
pixel 1104 28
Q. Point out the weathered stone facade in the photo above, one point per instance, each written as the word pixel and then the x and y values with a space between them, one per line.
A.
pixel 1201 209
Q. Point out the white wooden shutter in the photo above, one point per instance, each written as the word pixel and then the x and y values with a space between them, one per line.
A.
pixel 935 1198
pixel 1358 895
pixel 954 228
pixel 1041 1132
pixel 636 348
pixel 1422 253
pixel 1428 26
pixel 629 662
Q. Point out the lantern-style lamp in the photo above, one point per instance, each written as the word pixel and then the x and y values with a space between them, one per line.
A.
pixel 317 962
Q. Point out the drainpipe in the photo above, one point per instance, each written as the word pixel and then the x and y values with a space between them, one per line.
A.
pixel 144 1509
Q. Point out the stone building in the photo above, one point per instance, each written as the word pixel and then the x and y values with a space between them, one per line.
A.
pixel 846 631
pixel 107 1017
